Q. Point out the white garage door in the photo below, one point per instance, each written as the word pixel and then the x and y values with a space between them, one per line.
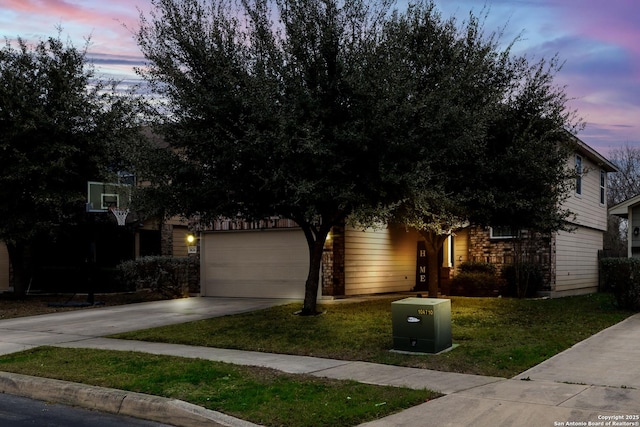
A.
pixel 255 263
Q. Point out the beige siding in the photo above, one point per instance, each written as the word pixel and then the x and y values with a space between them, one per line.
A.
pixel 258 264
pixel 180 241
pixel 590 213
pixel 379 260
pixel 4 267
pixel 460 247
pixel 577 261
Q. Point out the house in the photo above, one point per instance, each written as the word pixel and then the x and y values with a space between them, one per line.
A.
pixel 270 258
pixel 60 264
pixel 569 259
pixel 630 210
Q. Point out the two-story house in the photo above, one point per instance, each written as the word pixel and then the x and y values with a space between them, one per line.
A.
pixel 270 258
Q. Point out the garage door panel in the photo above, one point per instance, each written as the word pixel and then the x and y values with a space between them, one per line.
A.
pixel 260 263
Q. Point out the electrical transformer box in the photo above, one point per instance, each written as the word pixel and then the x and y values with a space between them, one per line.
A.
pixel 421 325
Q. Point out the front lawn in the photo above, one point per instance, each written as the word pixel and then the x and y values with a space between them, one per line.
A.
pixel 496 336
pixel 259 395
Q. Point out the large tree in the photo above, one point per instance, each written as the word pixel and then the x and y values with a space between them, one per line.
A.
pixel 493 128
pixel 59 128
pixel 624 184
pixel 275 117
pixel 323 110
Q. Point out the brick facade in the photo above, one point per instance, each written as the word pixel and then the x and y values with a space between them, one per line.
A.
pixel 333 283
pixel 501 252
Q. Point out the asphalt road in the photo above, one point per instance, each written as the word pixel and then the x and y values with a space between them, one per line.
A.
pixel 16 411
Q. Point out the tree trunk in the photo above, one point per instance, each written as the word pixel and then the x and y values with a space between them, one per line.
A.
pixel 433 245
pixel 315 242
pixel 18 260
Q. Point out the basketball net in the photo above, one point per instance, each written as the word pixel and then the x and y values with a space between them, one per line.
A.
pixel 120 214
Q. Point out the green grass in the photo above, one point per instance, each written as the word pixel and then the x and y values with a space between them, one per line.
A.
pixel 260 395
pixel 496 336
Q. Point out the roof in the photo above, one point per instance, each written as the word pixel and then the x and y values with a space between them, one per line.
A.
pixel 622 209
pixel 596 157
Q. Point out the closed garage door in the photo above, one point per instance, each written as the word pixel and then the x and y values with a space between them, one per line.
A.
pixel 256 263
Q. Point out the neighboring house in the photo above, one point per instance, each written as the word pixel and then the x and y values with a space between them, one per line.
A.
pixel 60 265
pixel 161 238
pixel 630 210
pixel 270 258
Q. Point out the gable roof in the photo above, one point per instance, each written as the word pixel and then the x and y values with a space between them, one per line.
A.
pixel 622 209
pixel 597 158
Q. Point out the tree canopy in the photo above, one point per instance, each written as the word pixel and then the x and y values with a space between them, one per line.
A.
pixel 59 128
pixel 323 110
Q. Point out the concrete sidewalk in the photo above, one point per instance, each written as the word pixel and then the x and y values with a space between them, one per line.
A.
pixel 586 383
pixel 595 382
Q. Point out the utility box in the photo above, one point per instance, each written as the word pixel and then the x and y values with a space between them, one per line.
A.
pixel 421 325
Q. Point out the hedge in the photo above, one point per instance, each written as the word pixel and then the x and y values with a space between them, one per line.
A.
pixel 477 267
pixel 476 284
pixel 170 276
pixel 622 276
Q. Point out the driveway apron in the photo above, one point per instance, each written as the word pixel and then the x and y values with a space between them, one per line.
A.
pixel 73 326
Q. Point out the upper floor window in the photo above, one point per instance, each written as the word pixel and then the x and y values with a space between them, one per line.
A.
pixel 578 175
pixel 603 187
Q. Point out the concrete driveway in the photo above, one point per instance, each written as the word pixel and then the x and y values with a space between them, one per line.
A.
pixel 73 326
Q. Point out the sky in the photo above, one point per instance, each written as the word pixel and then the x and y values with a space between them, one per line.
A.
pixel 598 41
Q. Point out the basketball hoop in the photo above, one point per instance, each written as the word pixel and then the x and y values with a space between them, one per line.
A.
pixel 120 214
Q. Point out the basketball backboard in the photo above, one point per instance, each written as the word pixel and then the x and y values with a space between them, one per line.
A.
pixel 101 196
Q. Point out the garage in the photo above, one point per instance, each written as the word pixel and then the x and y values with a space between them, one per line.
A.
pixel 268 263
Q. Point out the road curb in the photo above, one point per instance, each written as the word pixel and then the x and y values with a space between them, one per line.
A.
pixel 170 411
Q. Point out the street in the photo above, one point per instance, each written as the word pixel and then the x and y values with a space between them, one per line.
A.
pixel 16 411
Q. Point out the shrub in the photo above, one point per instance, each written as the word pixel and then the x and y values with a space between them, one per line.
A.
pixel 622 276
pixel 523 280
pixel 477 267
pixel 475 284
pixel 172 277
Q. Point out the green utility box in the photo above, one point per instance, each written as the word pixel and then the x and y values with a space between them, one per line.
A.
pixel 421 325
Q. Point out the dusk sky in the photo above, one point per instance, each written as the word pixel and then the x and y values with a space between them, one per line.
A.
pixel 598 40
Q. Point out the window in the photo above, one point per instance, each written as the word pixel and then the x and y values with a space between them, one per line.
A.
pixel 578 175
pixel 502 232
pixel 603 187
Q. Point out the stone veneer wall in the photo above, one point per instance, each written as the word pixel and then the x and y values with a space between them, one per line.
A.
pixel 333 264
